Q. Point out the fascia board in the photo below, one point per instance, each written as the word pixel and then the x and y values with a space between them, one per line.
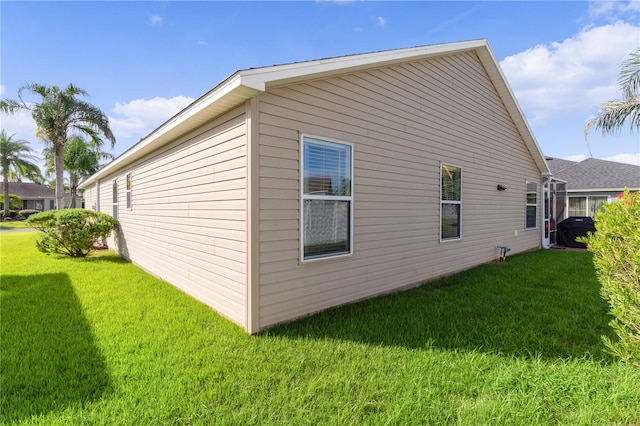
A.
pixel 513 107
pixel 223 97
pixel 582 190
pixel 261 78
pixel 248 83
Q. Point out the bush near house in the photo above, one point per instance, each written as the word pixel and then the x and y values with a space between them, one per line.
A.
pixel 71 232
pixel 13 214
pixel 15 202
pixel 616 250
pixel 28 212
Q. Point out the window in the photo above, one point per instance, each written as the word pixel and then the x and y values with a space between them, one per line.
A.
pixel 532 205
pixel 595 204
pixel 450 202
pixel 327 200
pixel 114 201
pixel 577 206
pixel 128 191
pixel 586 206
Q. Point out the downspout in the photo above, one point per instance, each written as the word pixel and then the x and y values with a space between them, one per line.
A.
pixel 546 182
pixel 97 195
pixel 252 300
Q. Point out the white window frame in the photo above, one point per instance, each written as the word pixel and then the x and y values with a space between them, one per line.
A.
pixel 304 197
pixel 128 187
pixel 454 202
pixel 114 198
pixel 588 203
pixel 527 204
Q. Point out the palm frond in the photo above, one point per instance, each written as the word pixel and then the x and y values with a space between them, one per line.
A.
pixel 629 77
pixel 613 115
pixel 10 106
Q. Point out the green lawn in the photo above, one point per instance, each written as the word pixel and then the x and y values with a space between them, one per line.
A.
pixel 98 341
pixel 13 224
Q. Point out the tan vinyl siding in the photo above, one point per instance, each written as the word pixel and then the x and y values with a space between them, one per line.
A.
pixel 90 197
pixel 402 121
pixel 188 223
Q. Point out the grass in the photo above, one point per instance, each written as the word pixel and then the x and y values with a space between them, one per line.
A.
pixel 14 224
pixel 98 341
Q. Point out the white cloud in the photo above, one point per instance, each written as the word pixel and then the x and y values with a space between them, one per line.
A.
pixel 626 158
pixel 571 77
pixel 576 158
pixel 613 9
pixel 155 19
pixel 381 22
pixel 1 89
pixel 22 125
pixel 129 121
pixel 139 117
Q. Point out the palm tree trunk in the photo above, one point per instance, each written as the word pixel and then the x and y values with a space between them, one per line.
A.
pixel 73 189
pixel 5 192
pixel 58 161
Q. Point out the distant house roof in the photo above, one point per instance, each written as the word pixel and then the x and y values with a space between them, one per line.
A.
pixel 248 83
pixel 594 175
pixel 29 190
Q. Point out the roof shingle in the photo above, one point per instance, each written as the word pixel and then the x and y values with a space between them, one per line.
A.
pixel 595 174
pixel 29 190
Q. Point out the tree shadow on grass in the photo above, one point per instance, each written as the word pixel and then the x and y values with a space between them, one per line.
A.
pixel 49 359
pixel 539 304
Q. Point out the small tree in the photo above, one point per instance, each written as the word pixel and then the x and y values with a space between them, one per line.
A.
pixel 81 159
pixel 16 161
pixel 58 114
pixel 616 255
pixel 15 202
pixel 71 232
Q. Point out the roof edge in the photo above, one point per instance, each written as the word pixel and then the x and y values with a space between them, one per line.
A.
pixel 248 83
pixel 492 66
pixel 216 101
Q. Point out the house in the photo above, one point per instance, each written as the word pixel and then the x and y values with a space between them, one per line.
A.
pixel 289 189
pixel 37 197
pixel 591 182
pixel 34 196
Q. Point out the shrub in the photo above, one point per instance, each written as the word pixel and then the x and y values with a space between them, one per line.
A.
pixel 15 202
pixel 13 215
pixel 28 212
pixel 71 232
pixel 616 255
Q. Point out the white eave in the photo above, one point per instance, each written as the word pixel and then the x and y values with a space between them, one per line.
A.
pixel 582 190
pixel 245 84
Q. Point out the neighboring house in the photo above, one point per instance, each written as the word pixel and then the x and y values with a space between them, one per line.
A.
pixel 591 182
pixel 289 189
pixel 34 196
pixel 37 197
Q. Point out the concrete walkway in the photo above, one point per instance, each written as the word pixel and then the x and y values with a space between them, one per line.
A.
pixel 17 229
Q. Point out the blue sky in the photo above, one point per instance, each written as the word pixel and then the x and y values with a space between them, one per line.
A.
pixel 142 62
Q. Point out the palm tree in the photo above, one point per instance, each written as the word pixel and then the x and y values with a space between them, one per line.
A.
pixel 16 161
pixel 81 159
pixel 58 115
pixel 614 114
